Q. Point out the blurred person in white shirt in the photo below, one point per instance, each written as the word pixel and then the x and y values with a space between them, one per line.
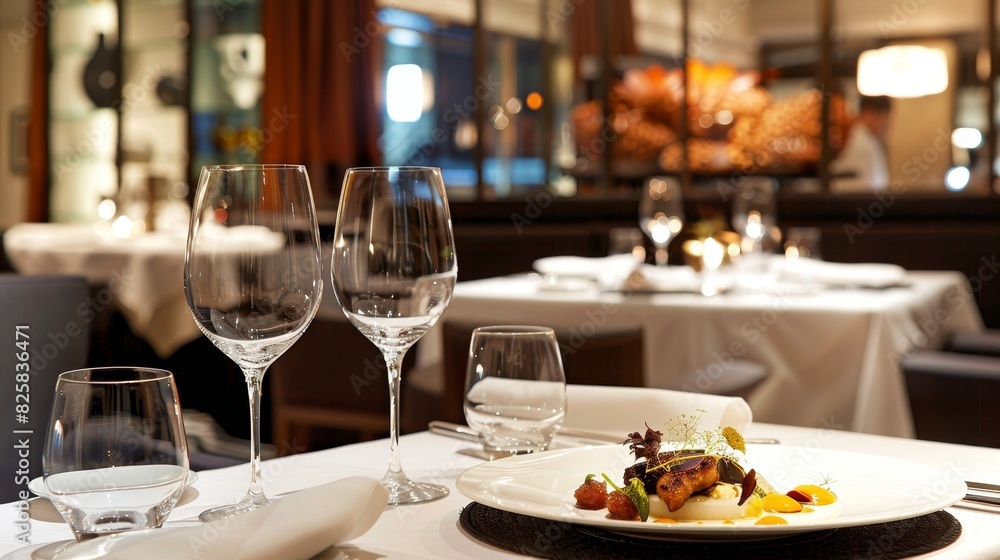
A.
pixel 863 163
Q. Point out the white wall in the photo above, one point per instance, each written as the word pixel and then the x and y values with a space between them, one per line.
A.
pixel 15 67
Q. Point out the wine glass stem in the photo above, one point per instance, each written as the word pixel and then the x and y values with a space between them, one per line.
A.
pixel 394 362
pixel 254 376
pixel 661 255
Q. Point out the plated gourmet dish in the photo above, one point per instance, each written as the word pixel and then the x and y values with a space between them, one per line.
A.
pixel 700 476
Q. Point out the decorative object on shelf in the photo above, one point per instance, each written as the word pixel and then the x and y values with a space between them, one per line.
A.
pixel 101 78
pixel 241 63
pixel 172 89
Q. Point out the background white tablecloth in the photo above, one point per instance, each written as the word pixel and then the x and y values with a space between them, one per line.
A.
pixel 432 531
pixel 832 354
pixel 144 275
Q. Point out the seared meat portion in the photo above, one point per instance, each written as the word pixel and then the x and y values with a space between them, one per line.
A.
pixel 676 486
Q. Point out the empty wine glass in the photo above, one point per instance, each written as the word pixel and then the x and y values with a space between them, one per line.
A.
pixel 394 271
pixel 661 213
pixel 115 456
pixel 754 214
pixel 253 277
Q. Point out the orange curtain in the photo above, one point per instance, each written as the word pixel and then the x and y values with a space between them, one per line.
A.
pixel 38 136
pixel 321 100
pixel 590 29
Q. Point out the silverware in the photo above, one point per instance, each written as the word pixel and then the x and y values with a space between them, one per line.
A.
pixel 982 493
pixel 584 437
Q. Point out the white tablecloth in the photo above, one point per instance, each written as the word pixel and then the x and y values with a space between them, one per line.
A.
pixel 142 275
pixel 832 354
pixel 431 531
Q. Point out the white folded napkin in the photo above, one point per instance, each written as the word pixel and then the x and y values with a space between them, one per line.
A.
pixel 502 391
pixel 296 527
pixel 666 279
pixel 601 269
pixel 614 412
pixel 871 275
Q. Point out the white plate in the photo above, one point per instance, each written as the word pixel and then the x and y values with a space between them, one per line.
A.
pixel 870 488
pixel 37 485
pixel 100 547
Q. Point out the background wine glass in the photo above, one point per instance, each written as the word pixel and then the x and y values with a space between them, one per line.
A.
pixel 253 277
pixel 661 213
pixel 394 271
pixel 754 214
pixel 115 456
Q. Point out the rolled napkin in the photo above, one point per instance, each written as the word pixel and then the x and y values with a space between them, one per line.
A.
pixel 296 527
pixel 614 412
pixel 868 275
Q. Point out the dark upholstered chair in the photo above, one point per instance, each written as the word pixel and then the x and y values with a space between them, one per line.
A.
pixel 609 357
pixel 333 377
pixel 954 398
pixel 57 341
pixel 738 378
pixel 984 343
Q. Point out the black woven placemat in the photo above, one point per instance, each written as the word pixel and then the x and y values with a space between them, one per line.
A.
pixel 555 540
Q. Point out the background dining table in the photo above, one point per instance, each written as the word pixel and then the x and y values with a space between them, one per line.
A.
pixel 433 531
pixel 141 275
pixel 832 353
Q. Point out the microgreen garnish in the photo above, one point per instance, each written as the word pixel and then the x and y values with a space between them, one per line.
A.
pixel 824 480
pixel 690 442
pixel 589 476
pixel 645 447
pixel 734 439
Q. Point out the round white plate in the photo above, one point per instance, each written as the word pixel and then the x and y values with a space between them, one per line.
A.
pixel 870 488
pixel 37 485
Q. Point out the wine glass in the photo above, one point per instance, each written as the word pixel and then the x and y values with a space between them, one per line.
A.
pixel 253 277
pixel 394 271
pixel 115 456
pixel 661 213
pixel 754 215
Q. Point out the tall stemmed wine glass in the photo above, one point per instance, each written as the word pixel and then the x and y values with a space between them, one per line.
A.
pixel 394 271
pixel 253 277
pixel 661 213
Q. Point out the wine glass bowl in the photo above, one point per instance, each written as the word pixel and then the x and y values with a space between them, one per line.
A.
pixel 661 213
pixel 253 277
pixel 394 272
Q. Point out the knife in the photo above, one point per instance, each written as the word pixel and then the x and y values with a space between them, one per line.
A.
pixel 466 433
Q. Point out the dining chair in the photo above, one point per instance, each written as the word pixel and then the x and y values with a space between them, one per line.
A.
pixel 953 397
pixel 737 378
pixel 45 334
pixel 984 343
pixel 333 378
pixel 608 357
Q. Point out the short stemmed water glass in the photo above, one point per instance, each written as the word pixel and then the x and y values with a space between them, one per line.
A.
pixel 661 213
pixel 754 214
pixel 253 277
pixel 394 271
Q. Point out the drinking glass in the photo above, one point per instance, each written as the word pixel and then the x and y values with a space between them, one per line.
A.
pixel 754 214
pixel 115 456
pixel 394 271
pixel 253 277
pixel 661 213
pixel 803 243
pixel 515 389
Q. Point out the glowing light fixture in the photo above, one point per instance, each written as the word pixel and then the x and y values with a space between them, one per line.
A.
pixel 968 138
pixel 957 178
pixel 404 92
pixel 903 71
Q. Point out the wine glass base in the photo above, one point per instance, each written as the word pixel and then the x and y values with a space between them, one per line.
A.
pixel 403 491
pixel 248 503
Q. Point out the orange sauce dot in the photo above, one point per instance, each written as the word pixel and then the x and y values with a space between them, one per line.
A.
pixel 771 520
pixel 807 509
pixel 665 520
